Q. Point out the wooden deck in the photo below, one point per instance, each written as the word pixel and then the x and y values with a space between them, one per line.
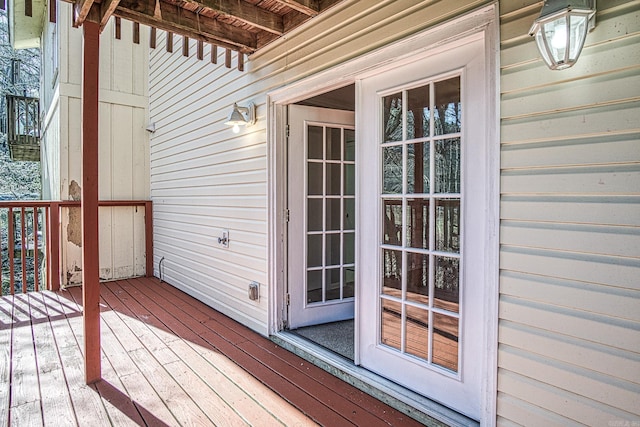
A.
pixel 167 360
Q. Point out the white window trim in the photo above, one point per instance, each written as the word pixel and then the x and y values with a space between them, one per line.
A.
pixel 483 21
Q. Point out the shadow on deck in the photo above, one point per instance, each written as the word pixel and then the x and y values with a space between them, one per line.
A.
pixel 167 360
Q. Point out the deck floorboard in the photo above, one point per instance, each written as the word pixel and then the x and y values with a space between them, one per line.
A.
pixel 167 360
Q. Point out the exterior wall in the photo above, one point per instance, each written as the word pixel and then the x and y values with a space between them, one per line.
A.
pixel 205 178
pixel 570 229
pixel 570 225
pixel 123 143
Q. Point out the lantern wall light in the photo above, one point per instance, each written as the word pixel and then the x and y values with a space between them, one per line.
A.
pixel 237 117
pixel 561 29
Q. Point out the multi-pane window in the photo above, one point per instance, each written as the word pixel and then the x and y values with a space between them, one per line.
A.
pixel 330 214
pixel 421 229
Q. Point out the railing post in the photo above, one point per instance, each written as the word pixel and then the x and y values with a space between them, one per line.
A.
pixel 24 246
pixel 53 246
pixel 148 236
pixel 11 248
pixel 36 250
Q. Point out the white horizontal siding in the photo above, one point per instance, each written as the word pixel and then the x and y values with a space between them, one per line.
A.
pixel 123 146
pixel 205 179
pixel 569 348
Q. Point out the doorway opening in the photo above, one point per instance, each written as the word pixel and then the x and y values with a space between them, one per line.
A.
pixel 321 228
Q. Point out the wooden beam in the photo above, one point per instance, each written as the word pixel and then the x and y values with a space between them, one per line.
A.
pixel 200 50
pixel 227 58
pixel 53 244
pixel 152 38
pixel 240 61
pixel 106 10
pixel 81 11
pixel 148 237
pixel 247 13
pixel 90 249
pixel 169 42
pixel 117 25
pixel 308 7
pixel 185 46
pixel 136 33
pixel 28 7
pixel 53 11
pixel 214 54
pixel 184 22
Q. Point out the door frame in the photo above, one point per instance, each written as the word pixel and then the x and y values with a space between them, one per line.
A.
pixel 482 22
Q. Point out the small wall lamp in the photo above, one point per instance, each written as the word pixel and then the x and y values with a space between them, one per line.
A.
pixel 561 29
pixel 237 117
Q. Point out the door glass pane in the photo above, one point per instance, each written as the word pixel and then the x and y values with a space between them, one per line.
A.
pixel 314 286
pixel 314 250
pixel 418 112
pixel 349 248
pixel 446 289
pixel 333 214
pixel 349 282
pixel 333 179
pixel 332 284
pixel 418 223
pixel 349 145
pixel 392 218
pixel 417 332
pixel 447 166
pixel 333 249
pixel 391 324
pixel 349 213
pixel 314 214
pixel 421 219
pixel 418 278
pixel 448 225
pixel 314 179
pixel 392 117
pixel 392 170
pixel 314 142
pixel 392 282
pixel 418 167
pixel 448 109
pixel 349 179
pixel 445 341
pixel 334 143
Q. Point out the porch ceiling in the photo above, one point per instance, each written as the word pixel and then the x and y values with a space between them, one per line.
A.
pixel 241 25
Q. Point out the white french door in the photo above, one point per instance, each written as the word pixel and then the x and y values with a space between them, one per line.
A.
pixel 321 204
pixel 423 203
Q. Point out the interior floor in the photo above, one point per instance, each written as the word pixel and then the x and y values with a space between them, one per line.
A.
pixel 337 336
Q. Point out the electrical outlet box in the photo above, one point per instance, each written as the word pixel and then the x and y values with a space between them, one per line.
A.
pixel 254 291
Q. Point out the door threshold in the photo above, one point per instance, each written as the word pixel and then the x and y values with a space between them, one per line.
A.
pixel 418 407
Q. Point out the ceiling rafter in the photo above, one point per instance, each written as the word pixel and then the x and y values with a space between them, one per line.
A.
pixel 246 13
pixel 240 25
pixel 181 21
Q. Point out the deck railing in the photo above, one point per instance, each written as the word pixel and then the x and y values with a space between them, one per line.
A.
pixel 31 246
